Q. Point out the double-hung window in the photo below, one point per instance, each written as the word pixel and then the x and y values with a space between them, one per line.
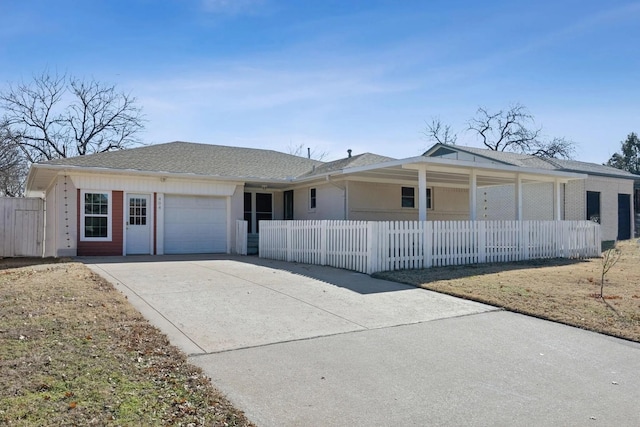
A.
pixel 408 197
pixel 95 213
pixel 312 198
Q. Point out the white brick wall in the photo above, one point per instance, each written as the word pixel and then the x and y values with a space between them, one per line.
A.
pixel 499 203
pixel 496 203
pixel 575 200
pixel 609 188
pixel 537 201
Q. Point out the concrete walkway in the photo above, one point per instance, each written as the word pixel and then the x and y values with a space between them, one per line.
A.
pixel 306 345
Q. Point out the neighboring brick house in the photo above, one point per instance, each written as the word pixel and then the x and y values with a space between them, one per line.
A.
pixel 605 196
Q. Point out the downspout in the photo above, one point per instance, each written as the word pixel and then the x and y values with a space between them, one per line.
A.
pixel 564 201
pixel 344 195
pixel 44 224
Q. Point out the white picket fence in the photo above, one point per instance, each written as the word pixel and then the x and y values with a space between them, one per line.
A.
pixel 241 237
pixel 21 227
pixel 371 246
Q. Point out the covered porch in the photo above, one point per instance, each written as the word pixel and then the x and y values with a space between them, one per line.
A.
pixel 416 189
pixel 493 191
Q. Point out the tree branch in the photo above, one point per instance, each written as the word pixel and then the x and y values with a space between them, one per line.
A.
pixel 512 130
pixel 58 116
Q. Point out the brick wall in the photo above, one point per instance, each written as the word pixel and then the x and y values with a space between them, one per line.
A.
pixel 114 247
pixel 575 200
pixel 609 188
pixel 496 203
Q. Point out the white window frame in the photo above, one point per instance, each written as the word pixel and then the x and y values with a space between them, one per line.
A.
pixel 429 199
pixel 313 199
pixel 109 195
pixel 402 197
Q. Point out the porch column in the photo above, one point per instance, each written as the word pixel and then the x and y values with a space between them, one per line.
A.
pixel 422 194
pixel 557 212
pixel 518 197
pixel 473 195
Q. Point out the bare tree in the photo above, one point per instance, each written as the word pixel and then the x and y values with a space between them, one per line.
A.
pixel 558 147
pixel 56 116
pixel 13 164
pixel 311 153
pixel 514 130
pixel 440 133
pixel 610 257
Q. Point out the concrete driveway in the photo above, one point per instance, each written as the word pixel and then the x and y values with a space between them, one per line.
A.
pixel 305 345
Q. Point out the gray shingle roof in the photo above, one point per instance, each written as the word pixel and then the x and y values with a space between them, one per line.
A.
pixel 591 168
pixel 529 161
pixel 364 159
pixel 199 159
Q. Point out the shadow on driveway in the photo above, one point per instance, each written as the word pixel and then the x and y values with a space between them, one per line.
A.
pixel 351 280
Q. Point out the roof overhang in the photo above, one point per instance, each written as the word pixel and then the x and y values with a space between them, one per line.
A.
pixel 450 172
pixel 444 171
pixel 41 176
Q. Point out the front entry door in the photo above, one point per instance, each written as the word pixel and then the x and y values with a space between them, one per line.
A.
pixel 624 216
pixel 138 225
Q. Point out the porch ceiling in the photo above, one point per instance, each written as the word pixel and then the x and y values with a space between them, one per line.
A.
pixel 458 178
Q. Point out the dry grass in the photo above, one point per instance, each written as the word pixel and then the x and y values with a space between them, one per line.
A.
pixel 73 351
pixel 564 291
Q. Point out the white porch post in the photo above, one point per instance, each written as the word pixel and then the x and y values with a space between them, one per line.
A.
pixel 556 201
pixel 473 194
pixel 422 194
pixel 518 197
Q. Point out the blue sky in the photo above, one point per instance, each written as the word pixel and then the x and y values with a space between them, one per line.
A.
pixel 333 75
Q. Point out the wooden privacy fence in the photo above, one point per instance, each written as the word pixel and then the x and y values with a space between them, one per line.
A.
pixel 21 227
pixel 371 246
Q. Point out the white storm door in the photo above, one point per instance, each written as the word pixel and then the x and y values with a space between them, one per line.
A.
pixel 138 225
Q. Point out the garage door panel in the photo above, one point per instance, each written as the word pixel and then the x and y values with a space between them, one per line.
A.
pixel 195 224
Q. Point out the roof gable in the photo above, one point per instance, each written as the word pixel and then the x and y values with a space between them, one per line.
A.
pixel 525 160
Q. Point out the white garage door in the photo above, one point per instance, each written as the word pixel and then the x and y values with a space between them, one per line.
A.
pixel 195 225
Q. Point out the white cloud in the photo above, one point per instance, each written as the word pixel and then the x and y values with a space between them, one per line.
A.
pixel 242 88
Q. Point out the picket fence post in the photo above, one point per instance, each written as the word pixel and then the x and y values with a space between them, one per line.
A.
pixel 482 242
pixel 427 251
pixel 323 242
pixel 372 245
pixel 289 241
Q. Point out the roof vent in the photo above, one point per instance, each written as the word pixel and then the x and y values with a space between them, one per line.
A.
pixel 349 152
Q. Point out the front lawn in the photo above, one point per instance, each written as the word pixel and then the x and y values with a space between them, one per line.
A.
pixel 564 291
pixel 73 351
